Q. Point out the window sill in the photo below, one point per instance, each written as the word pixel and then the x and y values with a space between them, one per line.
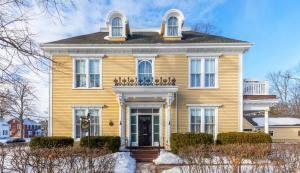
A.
pixel 100 88
pixel 208 88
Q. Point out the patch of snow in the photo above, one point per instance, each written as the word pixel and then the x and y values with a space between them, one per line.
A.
pixel 277 121
pixel 177 169
pixel 124 163
pixel 166 157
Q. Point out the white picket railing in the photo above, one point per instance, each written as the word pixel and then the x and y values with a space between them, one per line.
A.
pixel 255 87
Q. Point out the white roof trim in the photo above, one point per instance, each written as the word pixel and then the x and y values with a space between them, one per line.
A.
pixel 174 45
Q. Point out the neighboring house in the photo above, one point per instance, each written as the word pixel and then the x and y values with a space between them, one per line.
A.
pixel 144 84
pixel 257 100
pixel 4 128
pixel 281 129
pixel 31 128
pixel 44 127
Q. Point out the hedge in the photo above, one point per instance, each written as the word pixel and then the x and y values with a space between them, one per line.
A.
pixel 182 140
pixel 51 142
pixel 243 137
pixel 111 143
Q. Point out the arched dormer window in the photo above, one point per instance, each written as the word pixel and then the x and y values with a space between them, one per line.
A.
pixel 172 26
pixel 116 27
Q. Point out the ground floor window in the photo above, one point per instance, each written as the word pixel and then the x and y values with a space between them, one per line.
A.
pixel 203 119
pixel 271 133
pixel 94 121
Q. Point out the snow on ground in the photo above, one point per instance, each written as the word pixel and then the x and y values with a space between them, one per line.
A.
pixel 124 163
pixel 166 157
pixel 277 121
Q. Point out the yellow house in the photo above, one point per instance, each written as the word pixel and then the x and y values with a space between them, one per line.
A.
pixel 144 84
pixel 281 129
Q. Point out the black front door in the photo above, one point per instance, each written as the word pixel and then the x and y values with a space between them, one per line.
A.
pixel 145 130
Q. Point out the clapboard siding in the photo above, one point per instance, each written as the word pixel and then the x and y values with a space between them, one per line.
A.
pixel 63 96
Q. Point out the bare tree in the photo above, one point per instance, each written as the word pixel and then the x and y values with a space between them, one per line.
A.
pixel 286 86
pixel 22 101
pixel 207 28
pixel 4 103
pixel 19 51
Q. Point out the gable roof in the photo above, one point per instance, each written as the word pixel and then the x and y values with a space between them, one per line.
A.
pixel 146 38
pixel 273 121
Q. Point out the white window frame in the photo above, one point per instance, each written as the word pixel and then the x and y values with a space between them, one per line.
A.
pixel 202 77
pixel 87 78
pixel 86 108
pixel 144 59
pixel 202 109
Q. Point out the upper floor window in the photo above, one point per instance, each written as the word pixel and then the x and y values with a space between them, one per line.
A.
pixel 144 69
pixel 173 26
pixel 87 73
pixel 117 27
pixel 202 72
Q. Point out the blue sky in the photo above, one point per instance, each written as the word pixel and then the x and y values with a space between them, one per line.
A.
pixel 272 25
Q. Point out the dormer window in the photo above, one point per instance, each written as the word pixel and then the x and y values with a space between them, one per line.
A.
pixel 116 27
pixel 173 26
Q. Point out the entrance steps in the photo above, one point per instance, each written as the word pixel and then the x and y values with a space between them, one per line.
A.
pixel 145 154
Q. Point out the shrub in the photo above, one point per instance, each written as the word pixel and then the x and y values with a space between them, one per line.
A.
pixel 182 140
pixel 243 137
pixel 51 142
pixel 111 143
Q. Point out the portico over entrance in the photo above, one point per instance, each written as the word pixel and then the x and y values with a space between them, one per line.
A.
pixel 142 105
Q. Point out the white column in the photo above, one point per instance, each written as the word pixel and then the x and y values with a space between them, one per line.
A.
pixel 267 121
pixel 122 120
pixel 169 101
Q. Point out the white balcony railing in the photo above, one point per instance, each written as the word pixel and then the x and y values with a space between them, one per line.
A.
pixel 255 87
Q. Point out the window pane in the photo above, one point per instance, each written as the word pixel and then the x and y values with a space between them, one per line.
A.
pixel 94 66
pixel 156 137
pixel 156 128
pixel 155 110
pixel 209 80
pixel 133 120
pixel 195 73
pixel 209 72
pixel 133 137
pixel 156 119
pixel 133 110
pixel 80 66
pixel 133 128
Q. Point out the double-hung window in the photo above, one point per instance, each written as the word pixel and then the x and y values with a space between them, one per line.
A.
pixel 202 72
pixel 94 121
pixel 203 119
pixel 87 73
